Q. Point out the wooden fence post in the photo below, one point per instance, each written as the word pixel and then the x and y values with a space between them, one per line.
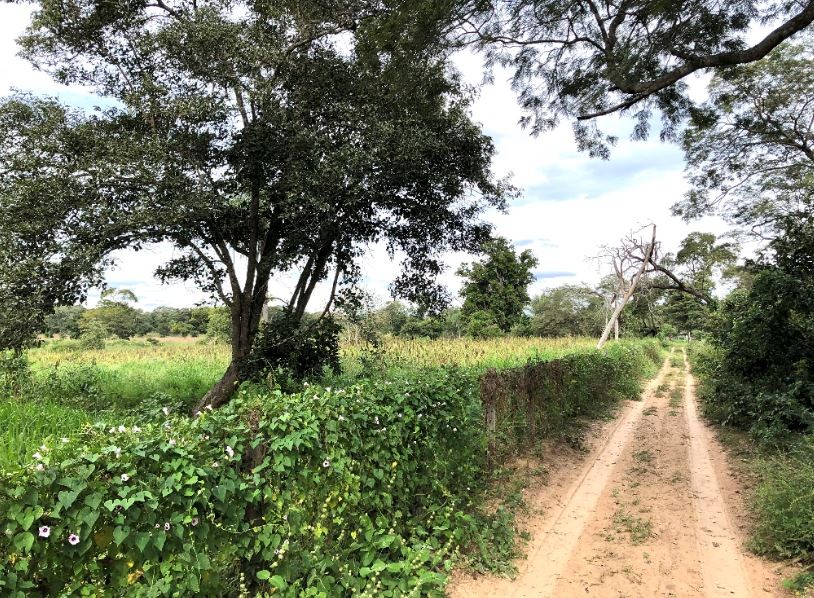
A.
pixel 488 393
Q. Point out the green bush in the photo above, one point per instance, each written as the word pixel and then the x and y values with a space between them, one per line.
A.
pixel 368 488
pixel 760 375
pixel 548 398
pixel 93 335
pixel 785 504
pixel 784 499
pixel 295 348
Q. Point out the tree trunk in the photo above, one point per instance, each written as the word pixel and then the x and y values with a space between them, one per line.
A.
pixel 246 315
pixel 223 389
pixel 606 333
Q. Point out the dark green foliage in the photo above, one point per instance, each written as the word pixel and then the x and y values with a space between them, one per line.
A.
pixel 325 490
pixel 50 253
pixel 422 327
pixel 567 311
pixel 64 321
pixel 495 290
pixel 172 321
pixel 760 377
pixel 298 348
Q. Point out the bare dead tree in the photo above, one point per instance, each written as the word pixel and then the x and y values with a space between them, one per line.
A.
pixel 628 270
pixel 632 260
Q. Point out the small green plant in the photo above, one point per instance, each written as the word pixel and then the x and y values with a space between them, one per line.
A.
pixel 639 529
pixel 800 582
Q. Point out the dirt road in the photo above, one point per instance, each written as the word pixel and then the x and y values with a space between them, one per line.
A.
pixel 652 511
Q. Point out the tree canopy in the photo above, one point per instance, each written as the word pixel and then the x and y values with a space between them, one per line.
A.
pixel 495 289
pixel 569 310
pixel 258 139
pixel 750 148
pixel 587 58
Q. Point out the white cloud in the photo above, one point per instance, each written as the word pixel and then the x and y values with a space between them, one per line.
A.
pixel 571 204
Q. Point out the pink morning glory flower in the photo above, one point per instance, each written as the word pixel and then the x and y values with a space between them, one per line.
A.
pixel 45 531
pixel 73 539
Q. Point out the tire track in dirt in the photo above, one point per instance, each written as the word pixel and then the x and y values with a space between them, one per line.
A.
pixel 641 541
pixel 564 523
pixel 723 570
pixel 643 517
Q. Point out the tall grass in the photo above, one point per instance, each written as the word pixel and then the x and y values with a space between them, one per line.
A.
pixel 23 427
pixel 785 503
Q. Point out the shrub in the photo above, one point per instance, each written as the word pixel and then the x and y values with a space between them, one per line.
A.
pixel 93 335
pixel 760 377
pixel 545 398
pixel 299 348
pixel 15 374
pixel 365 488
pixel 785 504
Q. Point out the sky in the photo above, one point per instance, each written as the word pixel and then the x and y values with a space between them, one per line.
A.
pixel 570 205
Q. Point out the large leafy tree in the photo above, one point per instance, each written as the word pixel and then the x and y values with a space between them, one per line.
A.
pixel 569 310
pixel 582 59
pixel 496 287
pixel 259 139
pixel 48 254
pixel 750 148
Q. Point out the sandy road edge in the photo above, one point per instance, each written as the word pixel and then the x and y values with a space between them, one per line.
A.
pixel 555 540
pixel 721 563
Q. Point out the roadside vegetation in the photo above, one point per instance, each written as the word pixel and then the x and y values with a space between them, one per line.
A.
pixel 373 481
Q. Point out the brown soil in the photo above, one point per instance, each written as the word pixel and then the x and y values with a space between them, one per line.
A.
pixel 652 511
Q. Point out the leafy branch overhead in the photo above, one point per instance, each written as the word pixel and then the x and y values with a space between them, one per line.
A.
pixel 585 59
pixel 750 148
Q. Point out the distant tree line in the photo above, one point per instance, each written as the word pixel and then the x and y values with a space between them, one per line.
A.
pixel 116 316
pixel 496 300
